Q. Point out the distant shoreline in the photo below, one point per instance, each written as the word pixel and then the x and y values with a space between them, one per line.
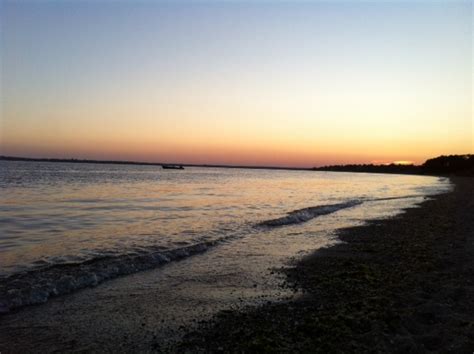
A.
pixel 460 165
pixel 378 169
pixel 140 163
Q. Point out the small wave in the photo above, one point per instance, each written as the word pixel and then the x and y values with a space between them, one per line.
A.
pixel 395 198
pixel 37 286
pixel 306 214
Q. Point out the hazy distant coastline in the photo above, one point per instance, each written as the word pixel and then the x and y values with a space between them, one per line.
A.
pixel 118 162
pixel 462 165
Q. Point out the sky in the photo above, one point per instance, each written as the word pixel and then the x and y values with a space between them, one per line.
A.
pixel 303 83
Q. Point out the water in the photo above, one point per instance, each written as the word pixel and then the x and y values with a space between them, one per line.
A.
pixel 68 226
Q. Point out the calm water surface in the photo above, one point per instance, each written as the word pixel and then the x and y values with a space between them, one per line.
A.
pixel 103 221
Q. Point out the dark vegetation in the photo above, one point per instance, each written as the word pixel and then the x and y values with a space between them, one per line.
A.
pixel 371 168
pixel 453 164
pixel 461 165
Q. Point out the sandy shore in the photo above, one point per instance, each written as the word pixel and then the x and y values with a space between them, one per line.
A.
pixel 400 285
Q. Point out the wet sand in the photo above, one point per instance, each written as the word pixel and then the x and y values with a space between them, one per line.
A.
pixel 400 285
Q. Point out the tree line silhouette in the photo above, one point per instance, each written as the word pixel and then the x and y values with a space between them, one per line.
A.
pixel 462 165
pixel 452 164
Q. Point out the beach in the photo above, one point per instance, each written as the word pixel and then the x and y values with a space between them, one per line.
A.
pixel 399 285
pixel 402 283
pixel 236 176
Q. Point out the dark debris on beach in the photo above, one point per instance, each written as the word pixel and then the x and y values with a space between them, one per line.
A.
pixel 400 285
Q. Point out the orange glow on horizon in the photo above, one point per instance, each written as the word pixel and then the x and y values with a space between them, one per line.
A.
pixel 249 153
pixel 403 162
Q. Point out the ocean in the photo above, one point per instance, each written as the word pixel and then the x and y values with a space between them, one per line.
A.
pixel 68 226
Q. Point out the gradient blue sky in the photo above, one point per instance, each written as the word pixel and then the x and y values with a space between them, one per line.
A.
pixel 274 83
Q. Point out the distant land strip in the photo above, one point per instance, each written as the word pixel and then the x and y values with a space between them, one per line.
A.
pixel 73 160
pixel 461 165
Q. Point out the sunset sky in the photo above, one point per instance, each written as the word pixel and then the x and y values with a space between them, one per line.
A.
pixel 254 83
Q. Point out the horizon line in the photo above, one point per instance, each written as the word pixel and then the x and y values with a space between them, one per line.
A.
pixel 146 163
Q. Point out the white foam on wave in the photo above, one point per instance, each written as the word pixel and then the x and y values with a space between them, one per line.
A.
pixel 306 214
pixel 37 286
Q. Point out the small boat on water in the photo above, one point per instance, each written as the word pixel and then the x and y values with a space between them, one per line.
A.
pixel 172 167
